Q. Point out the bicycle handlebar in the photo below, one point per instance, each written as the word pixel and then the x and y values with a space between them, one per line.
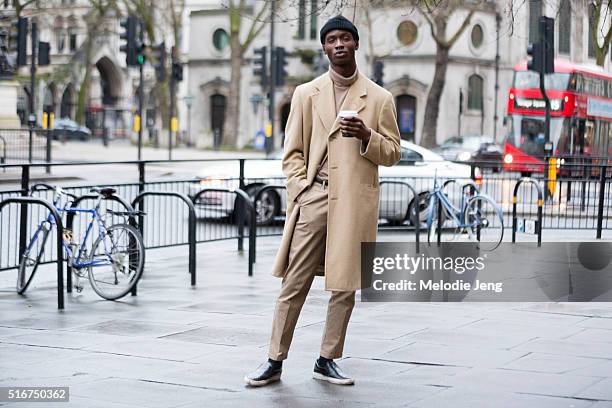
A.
pixel 56 189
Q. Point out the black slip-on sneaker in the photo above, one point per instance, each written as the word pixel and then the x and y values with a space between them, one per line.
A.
pixel 327 370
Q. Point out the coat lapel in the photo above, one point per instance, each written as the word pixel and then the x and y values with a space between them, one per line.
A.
pixel 355 100
pixel 324 102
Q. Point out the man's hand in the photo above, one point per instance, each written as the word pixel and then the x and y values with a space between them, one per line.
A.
pixel 354 127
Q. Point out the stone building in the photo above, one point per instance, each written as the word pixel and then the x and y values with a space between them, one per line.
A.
pixel 113 96
pixel 474 98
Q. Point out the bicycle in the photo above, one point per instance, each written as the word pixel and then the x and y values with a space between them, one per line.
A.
pixel 478 216
pixel 113 263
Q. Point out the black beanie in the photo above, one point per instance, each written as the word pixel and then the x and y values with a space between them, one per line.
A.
pixel 339 23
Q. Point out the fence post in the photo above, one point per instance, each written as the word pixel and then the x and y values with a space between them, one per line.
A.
pixel 48 152
pixel 600 207
pixel 31 138
pixel 23 214
pixel 241 206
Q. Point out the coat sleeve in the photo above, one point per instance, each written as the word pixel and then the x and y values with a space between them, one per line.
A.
pixel 294 163
pixel 383 147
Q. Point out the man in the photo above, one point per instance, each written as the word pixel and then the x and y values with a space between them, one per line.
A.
pixel 331 166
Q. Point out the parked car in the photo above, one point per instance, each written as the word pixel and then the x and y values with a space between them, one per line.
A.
pixel 472 148
pixel 417 167
pixel 67 129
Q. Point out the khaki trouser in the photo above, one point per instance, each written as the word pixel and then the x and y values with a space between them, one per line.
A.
pixel 306 252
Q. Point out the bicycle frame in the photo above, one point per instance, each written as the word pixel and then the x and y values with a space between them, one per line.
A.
pixel 95 218
pixel 438 197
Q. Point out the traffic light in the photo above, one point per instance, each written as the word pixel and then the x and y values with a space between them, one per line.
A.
pixel 140 45
pixel 547 28
pixel 534 50
pixel 261 65
pixel 43 53
pixel 158 55
pixel 280 64
pixel 18 39
pixel 379 73
pixel 542 53
pixel 129 35
pixel 177 71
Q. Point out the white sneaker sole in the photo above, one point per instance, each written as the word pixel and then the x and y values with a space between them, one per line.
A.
pixel 348 381
pixel 260 383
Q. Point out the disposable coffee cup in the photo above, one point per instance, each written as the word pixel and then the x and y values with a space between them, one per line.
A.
pixel 347 114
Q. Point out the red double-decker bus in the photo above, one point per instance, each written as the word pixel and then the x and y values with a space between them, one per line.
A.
pixel 581 115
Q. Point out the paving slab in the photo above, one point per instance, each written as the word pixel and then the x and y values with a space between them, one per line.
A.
pixel 175 345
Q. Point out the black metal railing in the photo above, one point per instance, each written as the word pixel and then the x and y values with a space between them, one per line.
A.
pixel 580 198
pixel 25 145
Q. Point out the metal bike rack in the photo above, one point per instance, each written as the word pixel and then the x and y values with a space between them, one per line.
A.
pixel 250 206
pixel 415 213
pixel 70 222
pixel 3 157
pixel 191 231
pixel 258 195
pixel 60 234
pixel 540 201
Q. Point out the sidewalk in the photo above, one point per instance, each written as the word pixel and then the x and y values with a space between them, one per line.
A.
pixel 174 346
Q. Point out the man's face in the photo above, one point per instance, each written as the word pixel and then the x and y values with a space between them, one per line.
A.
pixel 339 46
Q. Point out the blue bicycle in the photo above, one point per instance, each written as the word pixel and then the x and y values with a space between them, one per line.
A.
pixel 477 218
pixel 113 262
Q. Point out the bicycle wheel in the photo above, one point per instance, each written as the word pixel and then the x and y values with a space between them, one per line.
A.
pixel 118 261
pixel 30 259
pixel 484 222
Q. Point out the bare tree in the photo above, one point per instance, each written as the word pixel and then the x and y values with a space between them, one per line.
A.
pixel 238 9
pixel 600 23
pixel 437 15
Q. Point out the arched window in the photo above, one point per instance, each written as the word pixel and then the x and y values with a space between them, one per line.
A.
pixel 475 85
pixel 565 24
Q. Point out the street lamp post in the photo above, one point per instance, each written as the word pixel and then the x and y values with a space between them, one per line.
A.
pixel 189 99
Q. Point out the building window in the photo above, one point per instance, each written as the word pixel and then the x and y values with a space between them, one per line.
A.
pixel 301 34
pixel 475 84
pixel 407 32
pixel 220 39
pixel 313 20
pixel 477 35
pixel 60 36
pixel 565 24
pixel 591 45
pixel 535 12
pixel 72 38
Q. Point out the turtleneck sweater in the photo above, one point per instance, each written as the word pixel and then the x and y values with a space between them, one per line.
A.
pixel 341 87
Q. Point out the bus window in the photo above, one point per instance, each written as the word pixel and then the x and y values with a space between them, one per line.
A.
pixel 531 79
pixel 528 133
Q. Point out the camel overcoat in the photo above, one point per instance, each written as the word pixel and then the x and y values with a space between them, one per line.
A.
pixel 353 187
